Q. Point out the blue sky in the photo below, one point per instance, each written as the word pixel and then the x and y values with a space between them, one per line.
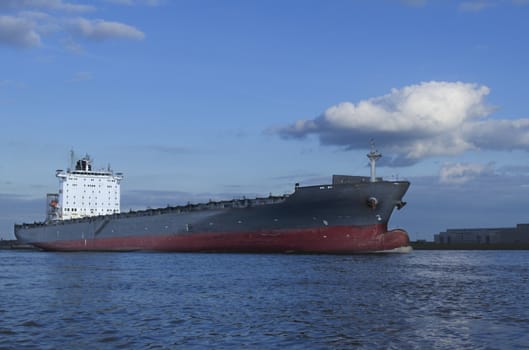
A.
pixel 204 99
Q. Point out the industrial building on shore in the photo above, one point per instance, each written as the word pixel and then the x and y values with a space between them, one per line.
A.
pixel 485 236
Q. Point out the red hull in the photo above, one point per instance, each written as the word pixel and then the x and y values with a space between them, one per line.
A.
pixel 335 240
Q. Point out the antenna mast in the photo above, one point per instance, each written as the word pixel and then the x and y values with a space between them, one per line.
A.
pixel 373 156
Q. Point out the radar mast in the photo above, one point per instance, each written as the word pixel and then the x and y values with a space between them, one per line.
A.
pixel 373 156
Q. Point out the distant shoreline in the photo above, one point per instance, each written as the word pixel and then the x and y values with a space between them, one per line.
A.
pixel 424 245
pixel 13 244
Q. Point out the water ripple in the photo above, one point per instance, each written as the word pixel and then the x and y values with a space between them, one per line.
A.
pixel 436 299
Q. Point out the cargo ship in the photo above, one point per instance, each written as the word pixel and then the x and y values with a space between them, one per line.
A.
pixel 346 216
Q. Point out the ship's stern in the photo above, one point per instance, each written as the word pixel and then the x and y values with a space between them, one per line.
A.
pixel 19 234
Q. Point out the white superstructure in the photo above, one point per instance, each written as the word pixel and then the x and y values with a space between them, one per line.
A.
pixel 84 192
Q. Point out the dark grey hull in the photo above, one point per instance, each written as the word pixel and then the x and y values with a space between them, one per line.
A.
pixel 310 213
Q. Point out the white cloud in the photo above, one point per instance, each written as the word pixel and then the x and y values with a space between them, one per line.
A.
pixel 43 23
pixel 81 76
pixel 415 3
pixel 430 107
pixel 18 32
pixel 31 20
pixel 135 2
pixel 101 30
pixel 72 46
pixel 458 173
pixel 423 120
pixel 498 134
pixel 475 6
pixel 11 84
pixel 463 6
pixel 58 5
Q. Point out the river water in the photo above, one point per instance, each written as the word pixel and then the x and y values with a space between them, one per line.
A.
pixel 425 299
